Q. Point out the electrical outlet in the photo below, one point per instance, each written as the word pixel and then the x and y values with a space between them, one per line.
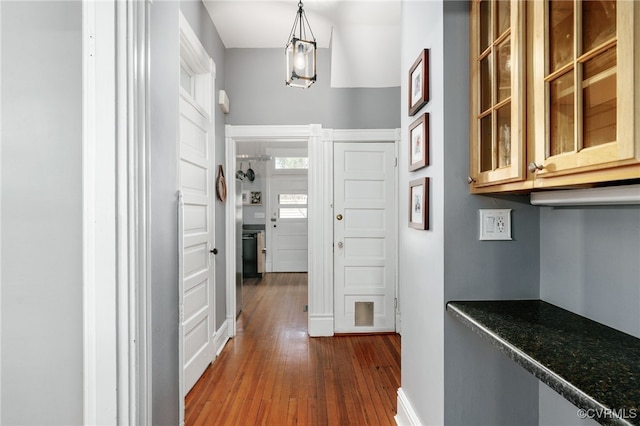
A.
pixel 495 224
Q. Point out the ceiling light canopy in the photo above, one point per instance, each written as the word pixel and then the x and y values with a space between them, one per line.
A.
pixel 300 52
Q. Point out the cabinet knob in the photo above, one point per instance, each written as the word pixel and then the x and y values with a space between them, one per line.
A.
pixel 214 251
pixel 339 217
pixel 533 167
pixel 471 180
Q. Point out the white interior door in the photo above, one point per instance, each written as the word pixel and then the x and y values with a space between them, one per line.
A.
pixel 365 235
pixel 288 223
pixel 196 174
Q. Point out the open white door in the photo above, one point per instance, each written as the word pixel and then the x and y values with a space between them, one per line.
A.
pixel 196 174
pixel 365 217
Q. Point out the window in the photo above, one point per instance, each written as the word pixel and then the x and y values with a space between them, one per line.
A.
pixel 291 163
pixel 292 206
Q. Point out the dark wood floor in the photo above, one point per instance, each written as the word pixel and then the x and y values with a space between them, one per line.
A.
pixel 272 373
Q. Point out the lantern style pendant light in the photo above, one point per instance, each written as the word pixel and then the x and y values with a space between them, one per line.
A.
pixel 301 52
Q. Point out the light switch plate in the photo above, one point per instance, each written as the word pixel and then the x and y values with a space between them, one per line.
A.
pixel 495 224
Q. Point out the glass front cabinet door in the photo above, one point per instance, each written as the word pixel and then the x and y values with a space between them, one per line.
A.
pixel 497 92
pixel 586 91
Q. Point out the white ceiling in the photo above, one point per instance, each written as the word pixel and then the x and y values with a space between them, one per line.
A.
pixel 364 35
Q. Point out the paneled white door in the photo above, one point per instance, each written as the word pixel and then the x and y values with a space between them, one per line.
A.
pixel 196 183
pixel 365 237
pixel 288 223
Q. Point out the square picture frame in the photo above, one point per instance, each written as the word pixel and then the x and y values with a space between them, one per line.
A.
pixel 255 198
pixel 419 143
pixel 419 203
pixel 419 82
pixel 251 198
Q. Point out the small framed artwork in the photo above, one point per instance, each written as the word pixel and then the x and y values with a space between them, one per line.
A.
pixel 255 198
pixel 419 143
pixel 419 83
pixel 419 203
pixel 251 198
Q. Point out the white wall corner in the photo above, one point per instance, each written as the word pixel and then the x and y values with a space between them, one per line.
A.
pixel 320 325
pixel 406 414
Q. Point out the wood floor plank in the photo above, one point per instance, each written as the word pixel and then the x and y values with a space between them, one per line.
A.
pixel 273 373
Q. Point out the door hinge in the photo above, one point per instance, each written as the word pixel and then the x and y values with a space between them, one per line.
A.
pixel 396 165
pixel 395 303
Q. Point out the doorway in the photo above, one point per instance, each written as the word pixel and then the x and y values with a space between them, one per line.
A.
pixel 320 145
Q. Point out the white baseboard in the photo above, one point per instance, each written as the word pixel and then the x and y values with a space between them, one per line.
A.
pixel 220 338
pixel 320 325
pixel 231 324
pixel 406 415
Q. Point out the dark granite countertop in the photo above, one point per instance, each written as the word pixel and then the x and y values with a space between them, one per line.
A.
pixel 595 367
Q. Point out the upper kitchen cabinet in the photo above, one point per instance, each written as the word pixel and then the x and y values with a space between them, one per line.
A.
pixel 586 87
pixel 497 92
pixel 580 123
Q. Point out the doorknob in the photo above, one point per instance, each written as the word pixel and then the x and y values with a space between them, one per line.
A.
pixel 339 217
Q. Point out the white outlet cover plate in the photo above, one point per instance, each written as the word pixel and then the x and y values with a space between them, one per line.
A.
pixel 495 224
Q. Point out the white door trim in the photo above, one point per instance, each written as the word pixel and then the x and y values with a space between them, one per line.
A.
pixel 311 134
pixel 98 227
pixel 116 300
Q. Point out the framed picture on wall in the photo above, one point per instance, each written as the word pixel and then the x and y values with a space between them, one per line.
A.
pixel 419 143
pixel 256 198
pixel 419 82
pixel 419 203
pixel 251 198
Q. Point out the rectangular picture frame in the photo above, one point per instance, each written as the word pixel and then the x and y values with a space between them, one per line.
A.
pixel 251 198
pixel 419 82
pixel 419 203
pixel 419 143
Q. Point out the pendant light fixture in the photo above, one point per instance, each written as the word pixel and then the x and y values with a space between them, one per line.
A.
pixel 300 52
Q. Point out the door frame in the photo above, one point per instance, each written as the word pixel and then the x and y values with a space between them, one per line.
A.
pixel 320 220
pixel 115 143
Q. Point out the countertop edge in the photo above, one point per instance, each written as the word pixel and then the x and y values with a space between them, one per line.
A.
pixel 565 388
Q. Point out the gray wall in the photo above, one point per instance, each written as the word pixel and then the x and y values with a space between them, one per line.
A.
pixel 259 96
pixel 164 75
pixel 496 391
pixel 590 265
pixel 41 214
pixel 197 16
pixel 439 355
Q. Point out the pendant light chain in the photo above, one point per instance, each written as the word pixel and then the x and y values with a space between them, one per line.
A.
pixel 301 21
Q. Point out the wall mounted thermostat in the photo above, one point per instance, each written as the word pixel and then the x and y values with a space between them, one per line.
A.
pixel 495 224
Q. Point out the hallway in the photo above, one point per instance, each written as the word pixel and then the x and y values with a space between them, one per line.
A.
pixel 273 373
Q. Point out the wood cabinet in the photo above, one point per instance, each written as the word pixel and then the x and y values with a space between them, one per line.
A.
pixel 582 92
pixel 497 91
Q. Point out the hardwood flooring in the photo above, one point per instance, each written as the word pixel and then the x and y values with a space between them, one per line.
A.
pixel 273 373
